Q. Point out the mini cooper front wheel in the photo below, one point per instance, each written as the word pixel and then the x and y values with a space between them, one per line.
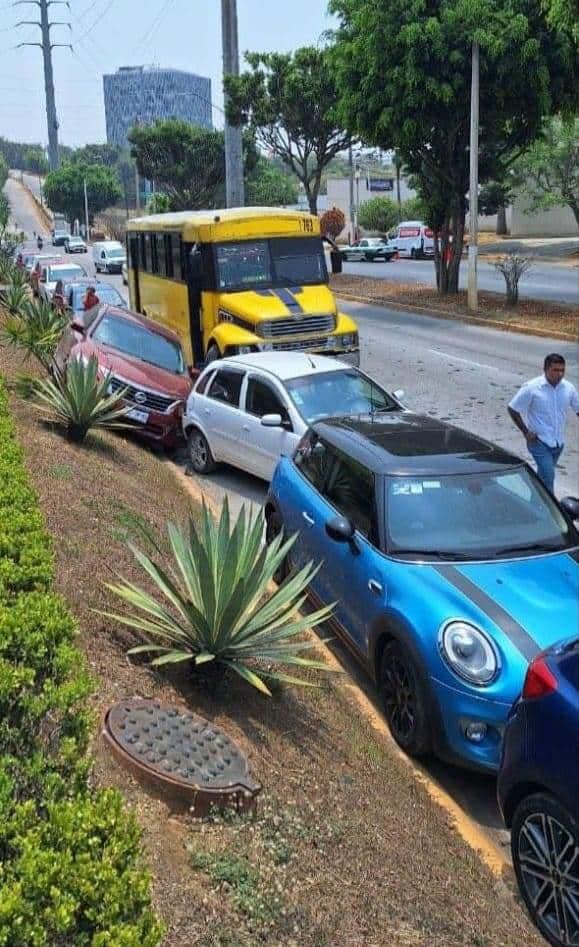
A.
pixel 405 700
pixel 200 454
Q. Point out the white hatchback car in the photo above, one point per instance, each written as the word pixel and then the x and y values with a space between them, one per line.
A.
pixel 248 410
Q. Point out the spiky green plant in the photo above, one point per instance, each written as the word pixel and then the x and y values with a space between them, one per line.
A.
pixel 78 400
pixel 17 295
pixel 214 602
pixel 35 329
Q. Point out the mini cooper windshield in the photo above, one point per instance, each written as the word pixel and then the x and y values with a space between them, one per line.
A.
pixel 474 516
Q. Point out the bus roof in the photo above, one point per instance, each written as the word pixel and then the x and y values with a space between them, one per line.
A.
pixel 230 224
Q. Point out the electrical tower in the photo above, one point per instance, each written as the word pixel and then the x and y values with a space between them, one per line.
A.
pixel 47 46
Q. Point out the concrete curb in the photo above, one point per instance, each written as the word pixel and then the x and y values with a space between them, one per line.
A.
pixel 472 320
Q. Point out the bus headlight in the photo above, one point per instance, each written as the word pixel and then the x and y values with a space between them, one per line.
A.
pixel 348 341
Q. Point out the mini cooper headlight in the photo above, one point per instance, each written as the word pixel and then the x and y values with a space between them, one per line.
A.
pixel 468 652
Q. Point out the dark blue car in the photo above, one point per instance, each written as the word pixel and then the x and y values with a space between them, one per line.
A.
pixel 450 565
pixel 538 792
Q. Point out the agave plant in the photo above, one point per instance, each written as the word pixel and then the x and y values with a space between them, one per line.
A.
pixel 16 296
pixel 36 329
pixel 79 400
pixel 214 602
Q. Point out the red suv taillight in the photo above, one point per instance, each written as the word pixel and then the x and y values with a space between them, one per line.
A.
pixel 540 681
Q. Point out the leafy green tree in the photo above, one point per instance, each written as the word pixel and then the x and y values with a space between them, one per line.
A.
pixel 100 153
pixel 403 69
pixel 549 172
pixel 185 161
pixel 289 101
pixel 3 171
pixel 269 186
pixel 158 204
pixel 35 161
pixel 64 189
pixel 379 213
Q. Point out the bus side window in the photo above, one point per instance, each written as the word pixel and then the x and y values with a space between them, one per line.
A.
pixel 159 256
pixel 169 255
pixel 177 268
pixel 142 253
pixel 134 250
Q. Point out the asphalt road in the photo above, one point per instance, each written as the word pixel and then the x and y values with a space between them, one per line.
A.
pixel 552 281
pixel 461 373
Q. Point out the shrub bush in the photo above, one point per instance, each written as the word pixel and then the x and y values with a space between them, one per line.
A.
pixel 70 868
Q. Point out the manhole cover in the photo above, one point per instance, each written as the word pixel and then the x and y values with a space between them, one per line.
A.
pixel 184 755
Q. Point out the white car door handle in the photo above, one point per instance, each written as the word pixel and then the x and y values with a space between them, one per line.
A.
pixel 246 427
pixel 375 587
pixel 309 519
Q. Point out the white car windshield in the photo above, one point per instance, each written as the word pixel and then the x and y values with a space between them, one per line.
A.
pixel 338 393
pixel 472 516
pixel 116 252
pixel 64 273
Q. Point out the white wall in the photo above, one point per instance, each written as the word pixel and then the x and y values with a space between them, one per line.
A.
pixel 559 222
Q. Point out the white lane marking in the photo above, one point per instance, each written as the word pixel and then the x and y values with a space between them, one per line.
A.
pixel 455 358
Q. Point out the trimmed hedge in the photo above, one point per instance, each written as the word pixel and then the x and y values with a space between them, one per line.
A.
pixel 70 866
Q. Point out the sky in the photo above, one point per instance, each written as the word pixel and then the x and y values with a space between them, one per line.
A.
pixel 106 34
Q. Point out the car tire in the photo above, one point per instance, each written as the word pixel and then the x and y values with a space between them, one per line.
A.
pixel 213 353
pixel 413 254
pixel 200 456
pixel 405 700
pixel 369 258
pixel 273 527
pixel 552 827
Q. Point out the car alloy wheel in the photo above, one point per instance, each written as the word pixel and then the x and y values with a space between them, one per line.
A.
pixel 545 849
pixel 200 453
pixel 405 700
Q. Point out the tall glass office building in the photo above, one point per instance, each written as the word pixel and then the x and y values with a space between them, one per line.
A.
pixel 140 95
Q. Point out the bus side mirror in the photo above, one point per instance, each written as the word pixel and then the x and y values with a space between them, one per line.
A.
pixel 336 261
pixel 196 265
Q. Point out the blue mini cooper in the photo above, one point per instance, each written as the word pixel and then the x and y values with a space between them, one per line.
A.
pixel 451 566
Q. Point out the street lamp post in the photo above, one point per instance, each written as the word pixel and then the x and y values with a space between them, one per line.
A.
pixel 473 183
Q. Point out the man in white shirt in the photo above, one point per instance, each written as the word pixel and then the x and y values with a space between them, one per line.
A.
pixel 539 409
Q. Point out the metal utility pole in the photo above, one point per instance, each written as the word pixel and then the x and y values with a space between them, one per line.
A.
pixel 47 47
pixel 234 186
pixel 473 185
pixel 352 201
pixel 86 211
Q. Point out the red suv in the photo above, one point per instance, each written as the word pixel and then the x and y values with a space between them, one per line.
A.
pixel 140 356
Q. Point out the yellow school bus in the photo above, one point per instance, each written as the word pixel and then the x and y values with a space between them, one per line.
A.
pixel 234 281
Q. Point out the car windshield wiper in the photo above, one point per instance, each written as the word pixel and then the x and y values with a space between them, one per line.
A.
pixel 531 547
pixel 435 553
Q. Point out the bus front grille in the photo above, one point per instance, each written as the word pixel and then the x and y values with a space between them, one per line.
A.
pixel 298 325
pixel 299 345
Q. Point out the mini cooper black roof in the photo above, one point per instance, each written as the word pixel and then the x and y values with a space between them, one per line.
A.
pixel 408 444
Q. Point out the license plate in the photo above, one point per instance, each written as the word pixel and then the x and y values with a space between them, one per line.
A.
pixel 135 415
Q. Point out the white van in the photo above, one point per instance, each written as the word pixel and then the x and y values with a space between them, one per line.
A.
pixel 413 239
pixel 108 256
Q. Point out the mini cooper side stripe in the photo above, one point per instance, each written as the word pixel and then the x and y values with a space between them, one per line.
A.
pixel 511 628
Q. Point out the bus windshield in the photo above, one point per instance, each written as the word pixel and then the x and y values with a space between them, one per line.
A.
pixel 261 264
